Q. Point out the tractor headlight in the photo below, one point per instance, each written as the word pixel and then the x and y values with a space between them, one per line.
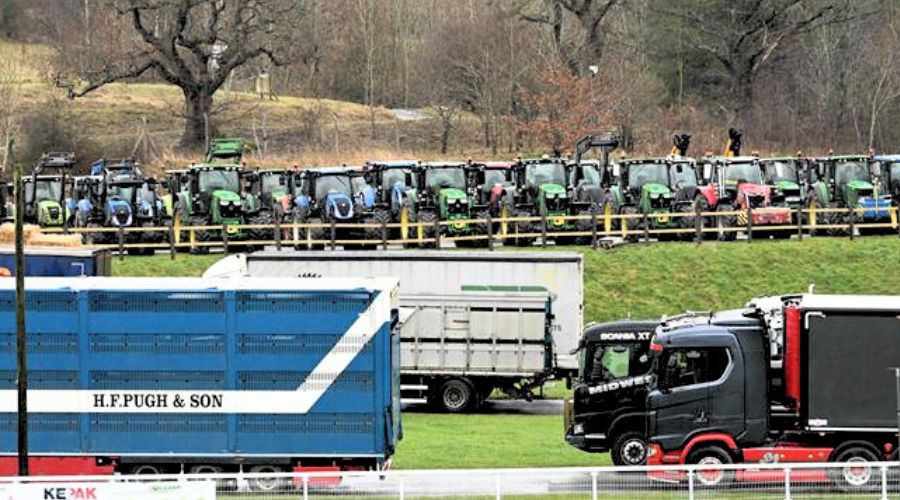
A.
pixel 578 429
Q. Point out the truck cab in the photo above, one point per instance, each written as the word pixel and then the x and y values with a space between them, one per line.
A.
pixel 607 410
pixel 719 398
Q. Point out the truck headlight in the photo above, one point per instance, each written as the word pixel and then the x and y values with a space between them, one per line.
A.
pixel 578 429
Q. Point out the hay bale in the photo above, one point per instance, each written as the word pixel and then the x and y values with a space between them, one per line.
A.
pixel 56 240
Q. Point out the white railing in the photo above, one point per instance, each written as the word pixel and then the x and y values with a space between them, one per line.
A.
pixel 879 480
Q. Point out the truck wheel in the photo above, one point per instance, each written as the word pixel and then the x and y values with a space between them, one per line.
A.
pixel 712 456
pixel 860 476
pixel 266 483
pixel 629 448
pixel 456 396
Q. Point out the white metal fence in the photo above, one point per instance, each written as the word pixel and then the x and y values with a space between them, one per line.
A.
pixel 748 481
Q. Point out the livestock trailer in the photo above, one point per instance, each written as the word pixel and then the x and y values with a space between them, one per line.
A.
pixel 440 272
pixel 154 375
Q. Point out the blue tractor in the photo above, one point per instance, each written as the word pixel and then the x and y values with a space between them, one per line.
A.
pixel 396 185
pixel 117 194
pixel 334 195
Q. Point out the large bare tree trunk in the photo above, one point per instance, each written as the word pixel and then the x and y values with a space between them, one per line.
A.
pixel 198 106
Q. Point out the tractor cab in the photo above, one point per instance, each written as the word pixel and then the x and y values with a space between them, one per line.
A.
pixel 116 168
pixel 786 177
pixel 888 168
pixel 493 185
pixel 445 187
pixel 335 193
pixel 542 187
pixel 45 194
pixel 590 179
pixel 396 183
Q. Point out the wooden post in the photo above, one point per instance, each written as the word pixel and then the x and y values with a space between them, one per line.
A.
pixel 698 224
pixel 852 215
pixel 384 233
pixel 21 346
pixel 594 229
pixel 749 222
pixel 276 219
pixel 224 237
pixel 800 222
pixel 437 232
pixel 333 234
pixel 543 230
pixel 121 241
pixel 172 239
pixel 645 220
pixel 489 231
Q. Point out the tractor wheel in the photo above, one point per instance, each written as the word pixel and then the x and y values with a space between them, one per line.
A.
pixel 631 224
pixel 373 235
pixel 838 218
pixel 522 227
pixel 690 221
pixel 481 229
pixel 311 234
pixel 725 221
pixel 260 234
pixel 427 218
pixel 586 225
pixel 199 235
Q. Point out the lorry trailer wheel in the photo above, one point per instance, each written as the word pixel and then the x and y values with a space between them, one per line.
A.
pixel 456 396
pixel 147 469
pixel 630 448
pixel 712 456
pixel 266 483
pixel 858 475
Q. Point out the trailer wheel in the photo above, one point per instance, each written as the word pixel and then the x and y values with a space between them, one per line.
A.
pixel 712 456
pixel 266 483
pixel 857 477
pixel 456 396
pixel 629 448
pixel 147 470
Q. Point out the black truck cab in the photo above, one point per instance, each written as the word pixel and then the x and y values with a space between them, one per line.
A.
pixel 712 379
pixel 607 410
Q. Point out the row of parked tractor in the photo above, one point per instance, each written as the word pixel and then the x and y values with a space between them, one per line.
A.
pixel 552 197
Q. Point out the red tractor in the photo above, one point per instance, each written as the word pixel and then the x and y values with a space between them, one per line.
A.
pixel 739 186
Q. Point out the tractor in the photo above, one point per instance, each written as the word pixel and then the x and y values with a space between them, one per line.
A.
pixel 889 174
pixel 45 194
pixel 338 195
pixel 493 193
pixel 118 195
pixel 656 187
pixel 786 177
pixel 214 194
pixel 739 186
pixel 396 185
pixel 444 196
pixel 589 180
pixel 541 191
pixel 847 182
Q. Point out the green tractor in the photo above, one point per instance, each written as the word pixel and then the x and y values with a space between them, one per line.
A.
pixel 444 196
pixel 656 188
pixel 846 182
pixel 215 194
pixel 45 193
pixel 787 177
pixel 542 191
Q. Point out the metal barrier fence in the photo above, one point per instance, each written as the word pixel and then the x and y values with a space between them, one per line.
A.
pixel 590 229
pixel 747 481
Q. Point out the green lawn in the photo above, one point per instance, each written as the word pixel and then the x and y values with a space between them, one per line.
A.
pixel 438 441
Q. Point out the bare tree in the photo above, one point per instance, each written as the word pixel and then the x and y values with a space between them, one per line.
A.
pixel 366 10
pixel 193 44
pixel 743 36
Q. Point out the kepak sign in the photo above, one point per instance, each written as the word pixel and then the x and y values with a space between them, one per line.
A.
pixel 175 490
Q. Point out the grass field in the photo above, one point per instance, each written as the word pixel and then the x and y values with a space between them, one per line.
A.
pixel 637 281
